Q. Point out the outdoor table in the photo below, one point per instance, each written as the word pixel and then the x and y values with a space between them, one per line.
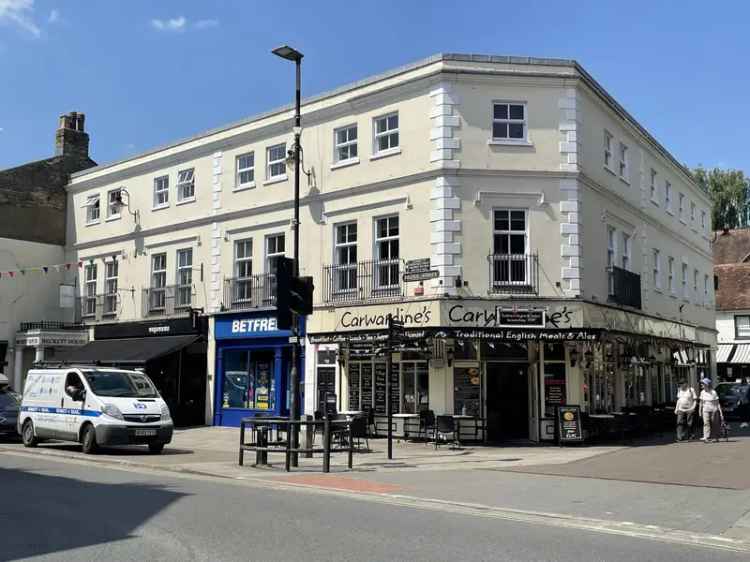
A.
pixel 478 424
pixel 352 413
pixel 405 422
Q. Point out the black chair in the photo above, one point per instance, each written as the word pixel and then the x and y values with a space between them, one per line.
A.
pixel 317 416
pixel 426 423
pixel 370 417
pixel 359 431
pixel 445 425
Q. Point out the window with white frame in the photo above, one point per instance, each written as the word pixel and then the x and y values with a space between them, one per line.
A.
pixel 681 206
pixel 114 203
pixel 742 327
pixel 386 133
pixel 611 257
pixel 692 211
pixel 668 196
pixel 345 256
pixel 706 296
pixel 186 185
pixel 387 253
pixel 245 170
pixel 623 163
pixel 509 121
pixel 345 143
pixel 703 220
pixel 243 270
pixel 184 277
pixel 696 275
pixel 510 246
pixel 158 291
pixel 626 251
pixel 657 268
pixel 684 281
pixel 110 287
pixel 161 191
pixel 276 158
pixel 89 288
pixel 607 150
pixel 274 249
pixel 652 185
pixel 670 276
pixel 92 209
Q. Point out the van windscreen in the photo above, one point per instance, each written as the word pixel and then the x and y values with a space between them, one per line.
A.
pixel 118 383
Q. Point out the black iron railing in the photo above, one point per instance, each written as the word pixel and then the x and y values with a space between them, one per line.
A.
pixel 624 287
pixel 168 300
pixel 373 280
pixel 514 274
pixel 250 292
pixel 98 307
pixel 50 325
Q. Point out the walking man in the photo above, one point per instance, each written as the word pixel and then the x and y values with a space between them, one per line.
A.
pixel 710 411
pixel 687 401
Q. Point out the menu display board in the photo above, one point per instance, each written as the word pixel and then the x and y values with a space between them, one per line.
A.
pixel 326 384
pixel 366 384
pixel 395 390
pixel 467 391
pixel 354 369
pixel 569 424
pixel 380 388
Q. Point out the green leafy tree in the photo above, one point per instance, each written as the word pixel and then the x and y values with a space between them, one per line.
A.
pixel 728 190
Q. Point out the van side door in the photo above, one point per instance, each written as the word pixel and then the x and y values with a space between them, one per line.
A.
pixel 72 405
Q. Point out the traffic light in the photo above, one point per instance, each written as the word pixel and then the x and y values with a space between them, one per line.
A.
pixel 294 295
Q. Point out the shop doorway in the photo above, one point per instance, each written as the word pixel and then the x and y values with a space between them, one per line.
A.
pixel 507 401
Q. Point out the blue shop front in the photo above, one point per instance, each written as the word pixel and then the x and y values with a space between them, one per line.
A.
pixel 253 360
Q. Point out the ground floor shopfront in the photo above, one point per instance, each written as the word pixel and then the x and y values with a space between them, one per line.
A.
pixel 508 367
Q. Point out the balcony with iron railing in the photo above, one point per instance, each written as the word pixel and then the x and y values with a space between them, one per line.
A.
pixel 169 300
pixel 624 287
pixel 514 274
pixel 95 308
pixel 365 281
pixel 241 293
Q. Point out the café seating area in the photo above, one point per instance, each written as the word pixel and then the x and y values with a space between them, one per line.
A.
pixel 629 422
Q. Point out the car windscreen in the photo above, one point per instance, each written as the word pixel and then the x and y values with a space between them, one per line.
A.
pixel 8 399
pixel 118 383
pixel 724 390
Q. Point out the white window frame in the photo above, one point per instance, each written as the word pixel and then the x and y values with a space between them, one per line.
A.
pixel 89 289
pixel 668 196
pixel 280 163
pixel 524 139
pixel 387 133
pixel 184 278
pixel 608 138
pixel 161 192
pixel 243 260
pixel 240 170
pixel 703 219
pixel 685 286
pixel 670 273
pixel 692 212
pixel 271 254
pixel 185 180
pixel 111 271
pixel 93 209
pixel 346 145
pixel 158 285
pixel 345 271
pixel 706 296
pixel 511 257
pixel 623 164
pixel 113 209
pixel 746 334
pixel 389 263
pixel 625 258
pixel 681 206
pixel 657 269
pixel 696 275
pixel 652 186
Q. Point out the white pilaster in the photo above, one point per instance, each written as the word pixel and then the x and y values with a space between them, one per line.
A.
pixel 445 124
pixel 571 227
pixel 446 255
pixel 216 296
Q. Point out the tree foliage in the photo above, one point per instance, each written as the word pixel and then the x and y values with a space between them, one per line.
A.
pixel 728 190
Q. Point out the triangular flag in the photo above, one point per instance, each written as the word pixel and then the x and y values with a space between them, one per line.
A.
pixel 45 269
pixel 57 268
pixel 80 264
pixel 10 273
pixel 67 266
pixel 23 272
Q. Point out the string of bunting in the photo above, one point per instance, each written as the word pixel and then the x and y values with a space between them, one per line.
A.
pixel 43 269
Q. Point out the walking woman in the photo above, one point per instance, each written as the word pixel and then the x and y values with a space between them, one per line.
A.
pixel 710 411
pixel 685 407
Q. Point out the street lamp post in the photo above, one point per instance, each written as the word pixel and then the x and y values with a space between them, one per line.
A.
pixel 288 53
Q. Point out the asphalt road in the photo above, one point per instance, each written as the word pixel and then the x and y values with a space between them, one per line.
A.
pixel 52 510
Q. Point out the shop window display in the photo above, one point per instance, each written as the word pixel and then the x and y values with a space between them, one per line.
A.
pixel 249 381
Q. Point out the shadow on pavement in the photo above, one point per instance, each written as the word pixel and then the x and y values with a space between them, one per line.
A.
pixel 129 451
pixel 45 514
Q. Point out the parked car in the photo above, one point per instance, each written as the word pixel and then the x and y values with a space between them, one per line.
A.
pixel 734 398
pixel 95 407
pixel 10 403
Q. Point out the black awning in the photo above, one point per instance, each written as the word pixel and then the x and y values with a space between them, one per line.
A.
pixel 130 351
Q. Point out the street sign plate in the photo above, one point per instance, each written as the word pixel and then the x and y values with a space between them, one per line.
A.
pixel 421 275
pixel 418 266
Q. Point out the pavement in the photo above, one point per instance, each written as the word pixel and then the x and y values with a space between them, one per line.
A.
pixel 688 491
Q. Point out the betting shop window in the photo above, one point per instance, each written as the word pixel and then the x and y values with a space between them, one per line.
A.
pixel 248 380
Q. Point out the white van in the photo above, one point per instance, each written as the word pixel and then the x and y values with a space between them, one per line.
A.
pixel 95 406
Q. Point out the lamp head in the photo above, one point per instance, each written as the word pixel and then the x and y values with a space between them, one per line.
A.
pixel 288 53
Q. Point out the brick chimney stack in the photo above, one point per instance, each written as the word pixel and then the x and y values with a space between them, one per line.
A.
pixel 71 138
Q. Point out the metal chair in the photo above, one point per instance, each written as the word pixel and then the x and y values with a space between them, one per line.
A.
pixel 426 423
pixel 359 431
pixel 445 425
pixel 370 417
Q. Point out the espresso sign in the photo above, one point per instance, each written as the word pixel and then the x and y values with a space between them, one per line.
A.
pixel 569 424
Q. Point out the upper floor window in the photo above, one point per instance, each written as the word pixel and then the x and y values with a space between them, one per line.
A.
pixel 611 257
pixel 245 170
pixel 184 277
pixel 345 143
pixel 623 164
pixel 387 252
pixel 607 150
pixel 110 287
pixel 509 121
pixel 92 208
pixel 684 281
pixel 703 220
pixel 161 191
pixel 742 327
pixel 243 270
pixel 657 269
pixel 695 284
pixel 345 257
pixel 670 276
pixel 681 206
pixel 386 133
pixel 114 203
pixel 89 288
pixel 158 292
pixel 706 297
pixel 692 211
pixel 668 196
pixel 274 250
pixel 652 185
pixel 186 185
pixel 625 251
pixel 276 157
pixel 510 246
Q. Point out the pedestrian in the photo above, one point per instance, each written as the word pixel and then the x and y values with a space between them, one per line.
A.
pixel 710 411
pixel 687 401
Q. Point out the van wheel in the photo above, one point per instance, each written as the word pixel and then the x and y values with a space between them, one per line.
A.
pixel 27 434
pixel 155 448
pixel 88 440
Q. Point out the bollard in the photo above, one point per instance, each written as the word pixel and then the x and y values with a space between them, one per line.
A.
pixel 351 445
pixel 288 452
pixel 326 445
pixel 309 437
pixel 261 457
pixel 242 443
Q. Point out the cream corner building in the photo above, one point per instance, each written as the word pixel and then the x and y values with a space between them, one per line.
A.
pixel 569 250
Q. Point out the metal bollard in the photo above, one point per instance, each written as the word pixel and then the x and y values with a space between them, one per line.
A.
pixel 242 443
pixel 261 457
pixel 326 445
pixel 309 437
pixel 351 445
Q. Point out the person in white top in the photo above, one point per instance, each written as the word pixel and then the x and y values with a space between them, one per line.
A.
pixel 687 401
pixel 710 411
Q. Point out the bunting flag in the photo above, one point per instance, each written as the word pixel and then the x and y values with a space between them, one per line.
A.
pixel 41 269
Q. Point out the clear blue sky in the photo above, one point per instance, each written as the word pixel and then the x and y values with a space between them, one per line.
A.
pixel 147 73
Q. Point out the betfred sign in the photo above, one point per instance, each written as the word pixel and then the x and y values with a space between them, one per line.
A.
pixel 254 325
pixel 250 326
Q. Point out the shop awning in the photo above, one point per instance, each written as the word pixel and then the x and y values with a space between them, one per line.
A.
pixel 130 351
pixel 681 358
pixel 724 352
pixel 741 354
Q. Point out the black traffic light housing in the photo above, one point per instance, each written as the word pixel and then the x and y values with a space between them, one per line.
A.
pixel 294 295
